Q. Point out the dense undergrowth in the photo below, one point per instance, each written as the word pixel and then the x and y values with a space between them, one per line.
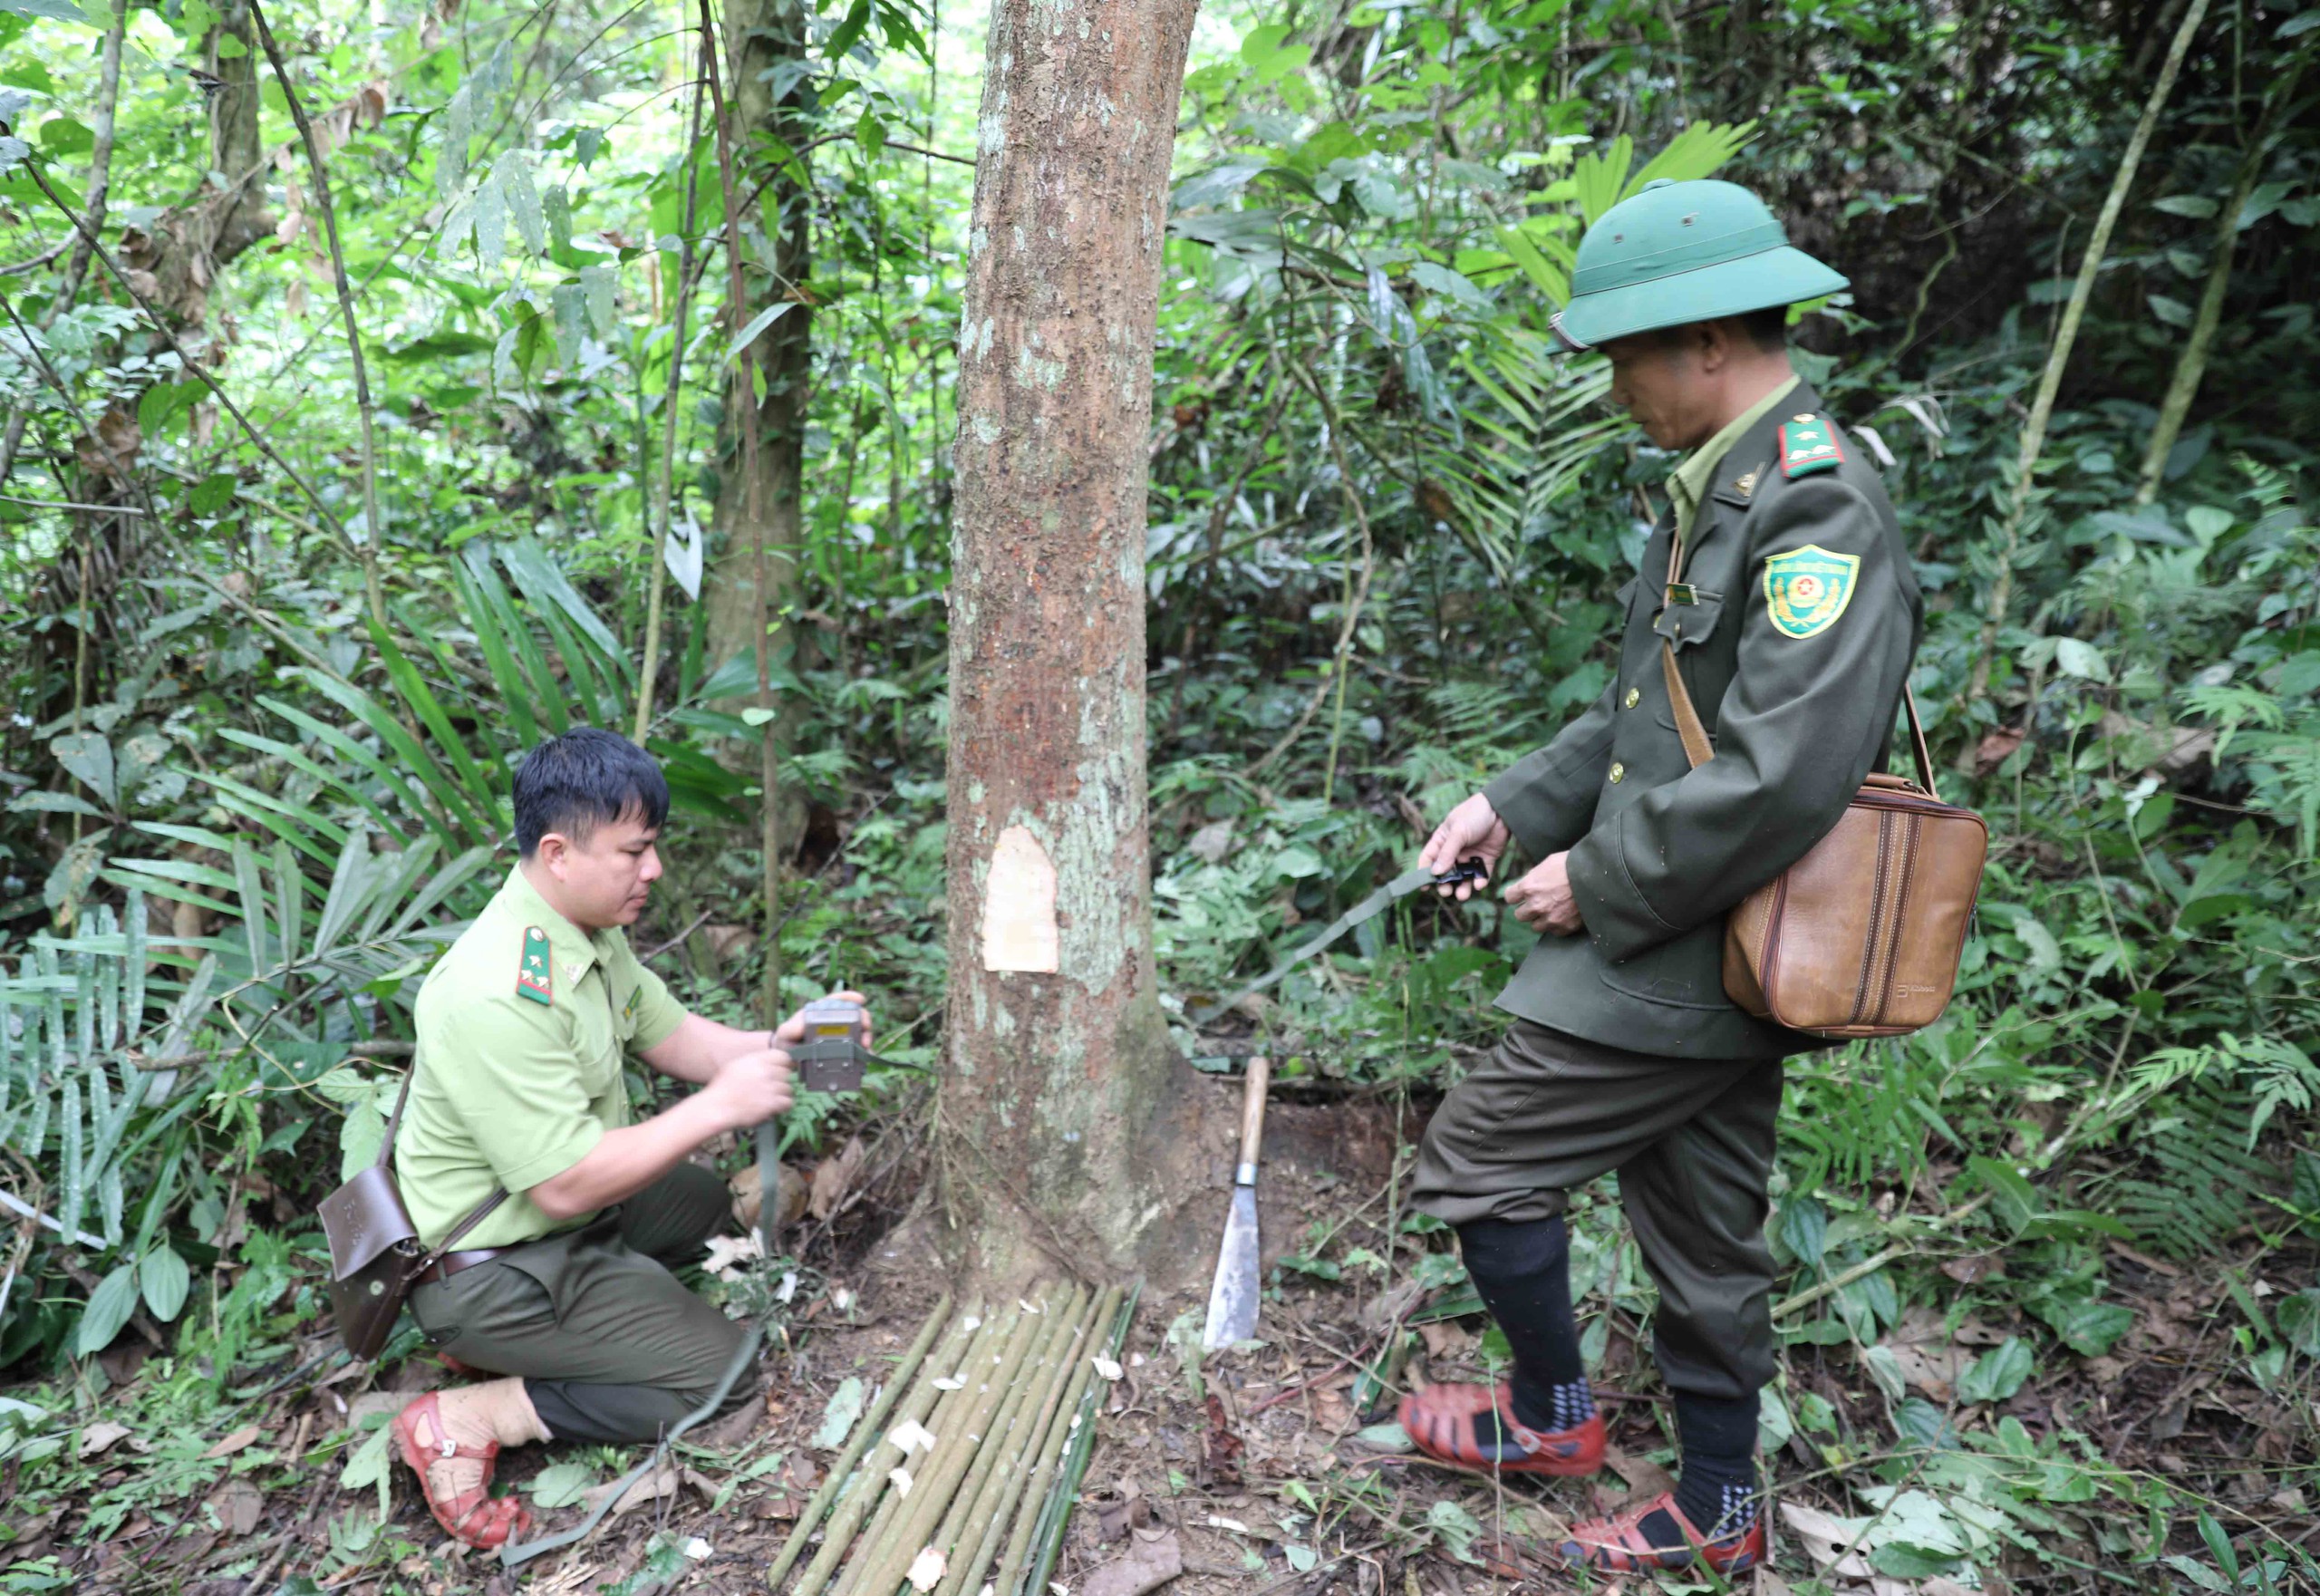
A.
pixel 1387 528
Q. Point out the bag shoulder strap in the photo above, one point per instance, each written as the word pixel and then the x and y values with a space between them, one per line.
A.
pixel 394 1120
pixel 1699 750
pixel 482 1210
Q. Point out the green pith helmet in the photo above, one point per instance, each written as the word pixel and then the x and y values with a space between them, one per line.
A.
pixel 1684 252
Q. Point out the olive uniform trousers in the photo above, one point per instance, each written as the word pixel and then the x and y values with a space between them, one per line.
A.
pixel 1692 1143
pixel 612 1347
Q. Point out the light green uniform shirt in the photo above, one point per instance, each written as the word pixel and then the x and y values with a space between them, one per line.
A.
pixel 512 1090
pixel 1688 487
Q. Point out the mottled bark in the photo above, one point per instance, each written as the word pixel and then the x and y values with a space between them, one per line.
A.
pixel 1059 1129
pixel 760 34
pixel 180 254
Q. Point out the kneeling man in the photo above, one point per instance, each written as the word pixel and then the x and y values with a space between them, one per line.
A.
pixel 565 1287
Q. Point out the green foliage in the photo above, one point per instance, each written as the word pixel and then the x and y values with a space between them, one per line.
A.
pixel 240 828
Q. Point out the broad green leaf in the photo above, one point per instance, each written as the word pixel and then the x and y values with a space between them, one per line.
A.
pixel 2088 1328
pixel 756 324
pixel 560 1485
pixel 166 1281
pixel 451 164
pixel 2079 659
pixel 570 306
pixel 599 284
pixel 110 1306
pixel 1998 1373
pixel 87 755
pixel 512 171
pixel 2016 1201
pixel 838 1417
pixel 490 223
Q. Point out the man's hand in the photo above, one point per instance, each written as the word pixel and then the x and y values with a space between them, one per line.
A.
pixel 1541 899
pixel 751 1089
pixel 1472 829
pixel 793 1029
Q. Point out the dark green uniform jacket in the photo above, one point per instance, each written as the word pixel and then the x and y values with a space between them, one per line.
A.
pixel 1800 706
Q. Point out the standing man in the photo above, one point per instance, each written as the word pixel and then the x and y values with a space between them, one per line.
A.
pixel 563 1288
pixel 1778 574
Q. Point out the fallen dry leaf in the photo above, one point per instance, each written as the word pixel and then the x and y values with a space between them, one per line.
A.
pixel 1444 1339
pixel 239 1506
pixel 235 1441
pixel 1824 1538
pixel 100 1437
pixel 834 1177
pixel 1146 1565
pixel 1644 1479
pixel 746 1199
pixel 1995 749
pixel 926 1569
pixel 667 1480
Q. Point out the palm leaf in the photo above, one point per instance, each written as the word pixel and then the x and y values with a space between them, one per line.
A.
pixel 1695 152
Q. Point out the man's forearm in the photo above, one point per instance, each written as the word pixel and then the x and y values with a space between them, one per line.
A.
pixel 627 1160
pixel 699 1047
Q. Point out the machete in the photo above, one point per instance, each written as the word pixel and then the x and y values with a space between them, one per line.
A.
pixel 1409 881
pixel 1233 1299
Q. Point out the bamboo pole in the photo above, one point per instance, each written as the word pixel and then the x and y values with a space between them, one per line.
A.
pixel 889 1557
pixel 1027 1516
pixel 967 1334
pixel 987 1476
pixel 2041 408
pixel 866 1435
pixel 1058 1511
pixel 994 1511
pixel 947 1415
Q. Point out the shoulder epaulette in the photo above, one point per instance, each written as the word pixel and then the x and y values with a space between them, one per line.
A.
pixel 535 974
pixel 1807 444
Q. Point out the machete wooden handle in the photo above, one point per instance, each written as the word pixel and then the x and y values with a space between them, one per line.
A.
pixel 1252 1119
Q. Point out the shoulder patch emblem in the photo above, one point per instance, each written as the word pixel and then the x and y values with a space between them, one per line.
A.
pixel 1809 444
pixel 534 977
pixel 1806 589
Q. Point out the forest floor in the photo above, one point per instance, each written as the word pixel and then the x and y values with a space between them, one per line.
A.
pixel 1268 1468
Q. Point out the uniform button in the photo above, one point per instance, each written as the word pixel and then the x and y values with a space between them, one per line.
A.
pixel 1632 696
pixel 1619 773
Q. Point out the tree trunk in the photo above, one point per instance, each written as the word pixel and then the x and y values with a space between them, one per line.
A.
pixel 188 243
pixel 1054 1131
pixel 762 33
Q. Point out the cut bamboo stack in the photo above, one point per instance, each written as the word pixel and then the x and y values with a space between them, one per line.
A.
pixel 969 1458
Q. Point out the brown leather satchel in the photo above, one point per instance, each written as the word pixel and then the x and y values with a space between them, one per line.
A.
pixel 1861 936
pixel 374 1250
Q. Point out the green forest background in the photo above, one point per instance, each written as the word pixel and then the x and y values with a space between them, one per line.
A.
pixel 276 628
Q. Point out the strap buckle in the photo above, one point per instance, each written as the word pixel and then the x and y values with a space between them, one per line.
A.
pixel 1468 869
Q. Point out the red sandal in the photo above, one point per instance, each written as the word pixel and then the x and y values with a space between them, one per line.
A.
pixel 474 1515
pixel 1619 1546
pixel 1440 1423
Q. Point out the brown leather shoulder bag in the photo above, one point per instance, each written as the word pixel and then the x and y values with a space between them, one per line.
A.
pixel 1861 936
pixel 374 1249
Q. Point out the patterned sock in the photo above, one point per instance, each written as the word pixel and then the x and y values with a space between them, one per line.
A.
pixel 1716 1490
pixel 1521 1270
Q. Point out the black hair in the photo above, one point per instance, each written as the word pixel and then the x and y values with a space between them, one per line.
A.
pixel 1766 328
pixel 587 777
